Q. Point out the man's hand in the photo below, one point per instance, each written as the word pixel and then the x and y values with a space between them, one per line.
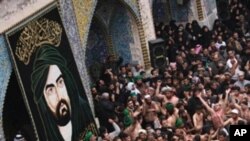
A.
pixel 111 120
pixel 198 95
pixel 159 83
pixel 228 91
pixel 117 84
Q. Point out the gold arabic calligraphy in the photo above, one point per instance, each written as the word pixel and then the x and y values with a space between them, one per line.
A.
pixel 34 35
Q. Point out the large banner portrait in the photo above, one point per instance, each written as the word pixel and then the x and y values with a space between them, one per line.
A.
pixel 49 79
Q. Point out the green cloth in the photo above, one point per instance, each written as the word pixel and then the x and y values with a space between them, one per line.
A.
pixel 138 77
pixel 127 121
pixel 130 79
pixel 169 106
pixel 126 112
pixel 179 122
pixel 88 136
pixel 133 94
pixel 186 88
pixel 92 85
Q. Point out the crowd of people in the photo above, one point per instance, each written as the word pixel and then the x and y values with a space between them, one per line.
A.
pixel 196 97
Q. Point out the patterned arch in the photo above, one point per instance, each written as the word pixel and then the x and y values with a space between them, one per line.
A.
pixel 133 7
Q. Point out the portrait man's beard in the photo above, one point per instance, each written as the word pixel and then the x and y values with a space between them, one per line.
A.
pixel 62 115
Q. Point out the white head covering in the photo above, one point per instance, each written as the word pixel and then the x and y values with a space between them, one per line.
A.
pixel 166 89
pixel 105 95
pixel 142 131
pixel 130 86
pixel 240 73
pixel 147 96
pixel 235 111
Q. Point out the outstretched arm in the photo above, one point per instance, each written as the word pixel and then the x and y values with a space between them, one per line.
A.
pixel 117 130
pixel 205 104
pixel 157 91
pixel 212 136
pixel 227 122
pixel 224 105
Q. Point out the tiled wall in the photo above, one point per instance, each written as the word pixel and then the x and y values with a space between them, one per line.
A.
pixel 5 72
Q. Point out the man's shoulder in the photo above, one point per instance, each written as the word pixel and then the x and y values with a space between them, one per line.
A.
pixel 246 82
pixel 237 83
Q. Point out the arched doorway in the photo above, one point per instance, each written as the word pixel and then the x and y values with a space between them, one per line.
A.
pixel 125 35
pixel 97 48
pixel 113 31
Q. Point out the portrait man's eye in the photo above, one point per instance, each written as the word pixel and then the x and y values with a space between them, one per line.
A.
pixel 50 90
pixel 60 83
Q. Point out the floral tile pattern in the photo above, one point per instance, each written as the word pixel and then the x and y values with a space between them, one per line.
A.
pixel 5 72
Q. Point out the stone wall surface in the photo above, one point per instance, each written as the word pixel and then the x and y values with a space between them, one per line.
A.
pixel 14 11
pixel 209 11
pixel 147 19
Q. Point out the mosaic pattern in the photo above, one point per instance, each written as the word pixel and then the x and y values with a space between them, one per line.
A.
pixel 121 33
pixel 209 6
pixel 105 11
pixel 159 11
pixel 84 12
pixel 5 72
pixel 133 5
pixel 182 14
pixel 97 49
pixel 147 19
pixel 69 21
pixel 135 46
pixel 192 14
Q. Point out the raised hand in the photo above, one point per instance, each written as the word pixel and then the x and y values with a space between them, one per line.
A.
pixel 228 91
pixel 159 83
pixel 111 120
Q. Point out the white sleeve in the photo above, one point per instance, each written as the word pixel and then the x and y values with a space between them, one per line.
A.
pixel 229 65
pixel 116 132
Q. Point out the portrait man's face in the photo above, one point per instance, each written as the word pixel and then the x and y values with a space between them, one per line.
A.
pixel 56 96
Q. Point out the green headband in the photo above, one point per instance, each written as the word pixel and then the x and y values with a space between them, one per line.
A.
pixel 179 122
pixel 169 106
pixel 88 136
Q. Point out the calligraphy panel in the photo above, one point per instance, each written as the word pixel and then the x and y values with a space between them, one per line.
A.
pixel 49 79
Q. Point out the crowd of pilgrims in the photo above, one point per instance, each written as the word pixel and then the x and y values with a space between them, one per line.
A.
pixel 196 97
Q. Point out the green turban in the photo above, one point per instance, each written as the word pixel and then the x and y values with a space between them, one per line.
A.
pixel 81 117
pixel 45 56
pixel 138 77
pixel 186 87
pixel 88 136
pixel 179 122
pixel 169 106
pixel 92 85
pixel 133 94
